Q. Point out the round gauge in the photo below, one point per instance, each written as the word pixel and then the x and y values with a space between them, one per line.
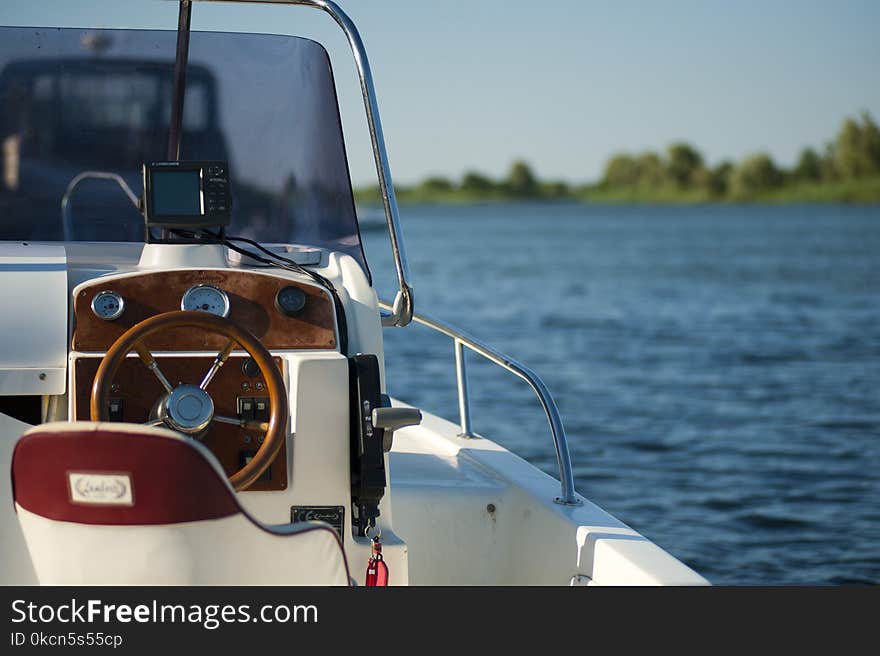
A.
pixel 107 305
pixel 206 298
pixel 290 300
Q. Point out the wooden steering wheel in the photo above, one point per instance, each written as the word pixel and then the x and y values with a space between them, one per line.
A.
pixel 189 409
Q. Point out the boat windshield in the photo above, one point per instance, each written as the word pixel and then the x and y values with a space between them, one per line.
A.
pixel 75 101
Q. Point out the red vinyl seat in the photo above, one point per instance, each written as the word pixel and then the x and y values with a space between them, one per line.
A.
pixel 127 504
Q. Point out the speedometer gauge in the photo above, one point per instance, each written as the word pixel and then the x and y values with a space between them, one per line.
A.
pixel 206 298
pixel 108 305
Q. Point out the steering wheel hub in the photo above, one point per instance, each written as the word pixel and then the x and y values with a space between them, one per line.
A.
pixel 188 409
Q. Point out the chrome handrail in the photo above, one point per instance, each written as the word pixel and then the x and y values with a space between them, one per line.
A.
pixel 66 223
pixel 461 339
pixel 401 311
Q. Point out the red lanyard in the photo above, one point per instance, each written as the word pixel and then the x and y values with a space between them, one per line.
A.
pixel 377 570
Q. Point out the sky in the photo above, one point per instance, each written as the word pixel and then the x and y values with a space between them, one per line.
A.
pixel 473 85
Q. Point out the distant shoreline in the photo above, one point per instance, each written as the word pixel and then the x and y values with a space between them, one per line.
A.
pixel 846 170
pixel 865 191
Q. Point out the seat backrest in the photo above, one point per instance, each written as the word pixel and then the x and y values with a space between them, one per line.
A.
pixel 124 504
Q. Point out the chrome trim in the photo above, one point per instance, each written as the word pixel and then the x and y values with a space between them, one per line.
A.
pixel 66 224
pixel 200 286
pixel 247 424
pixel 154 367
pixel 401 312
pixel 232 421
pixel 170 411
pixel 209 375
pixel 115 315
pixel 568 496
pixel 464 410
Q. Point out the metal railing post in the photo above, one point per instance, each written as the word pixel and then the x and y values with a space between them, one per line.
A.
pixel 568 496
pixel 464 410
pixel 401 310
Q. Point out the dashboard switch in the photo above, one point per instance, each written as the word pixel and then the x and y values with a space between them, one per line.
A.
pixel 245 408
pixel 253 408
pixel 244 457
pixel 261 409
pixel 115 410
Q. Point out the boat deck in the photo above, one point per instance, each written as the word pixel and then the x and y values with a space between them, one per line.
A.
pixel 463 505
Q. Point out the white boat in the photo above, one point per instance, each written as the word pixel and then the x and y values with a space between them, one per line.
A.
pixel 192 386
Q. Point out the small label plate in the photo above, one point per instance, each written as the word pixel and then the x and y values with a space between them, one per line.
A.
pixel 100 489
pixel 333 515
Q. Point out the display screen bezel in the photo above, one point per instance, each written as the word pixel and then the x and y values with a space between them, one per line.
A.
pixel 181 220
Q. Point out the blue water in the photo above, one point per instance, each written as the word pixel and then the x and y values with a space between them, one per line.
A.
pixel 717 367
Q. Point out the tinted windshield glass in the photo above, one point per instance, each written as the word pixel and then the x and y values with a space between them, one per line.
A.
pixel 100 100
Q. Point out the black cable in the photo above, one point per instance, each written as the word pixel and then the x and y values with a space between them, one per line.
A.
pixel 282 263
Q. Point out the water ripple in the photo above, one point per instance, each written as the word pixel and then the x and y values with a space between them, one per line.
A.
pixel 717 368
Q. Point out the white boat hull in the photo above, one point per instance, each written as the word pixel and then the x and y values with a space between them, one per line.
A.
pixel 473 513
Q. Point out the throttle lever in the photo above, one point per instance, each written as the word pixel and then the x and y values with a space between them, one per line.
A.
pixel 392 419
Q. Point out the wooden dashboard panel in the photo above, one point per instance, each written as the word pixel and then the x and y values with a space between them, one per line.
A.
pixel 251 301
pixel 138 389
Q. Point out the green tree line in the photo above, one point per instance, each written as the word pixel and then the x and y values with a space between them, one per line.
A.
pixel 846 169
pixel 853 155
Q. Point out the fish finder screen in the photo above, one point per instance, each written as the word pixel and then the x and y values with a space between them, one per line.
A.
pixel 176 193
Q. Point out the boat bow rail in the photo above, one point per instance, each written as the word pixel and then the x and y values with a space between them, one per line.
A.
pixel 461 340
